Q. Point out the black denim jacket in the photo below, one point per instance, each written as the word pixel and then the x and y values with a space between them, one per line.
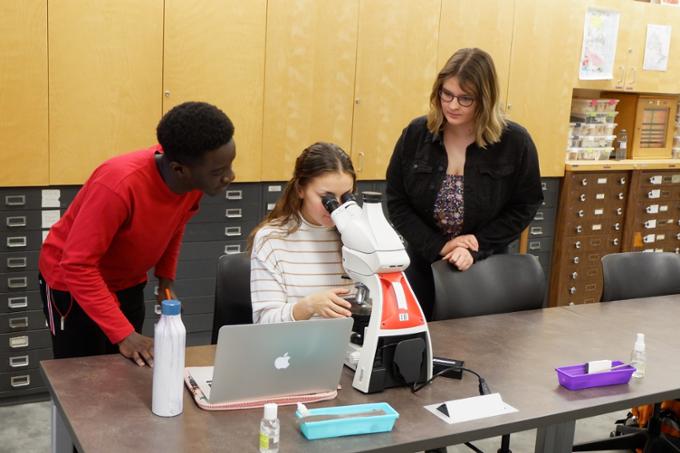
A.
pixel 501 192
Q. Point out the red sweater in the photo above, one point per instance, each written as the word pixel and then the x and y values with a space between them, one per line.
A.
pixel 124 221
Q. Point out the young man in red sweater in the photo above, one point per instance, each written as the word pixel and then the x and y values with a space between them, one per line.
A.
pixel 129 217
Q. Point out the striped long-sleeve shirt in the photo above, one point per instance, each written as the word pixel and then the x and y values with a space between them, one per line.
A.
pixel 287 267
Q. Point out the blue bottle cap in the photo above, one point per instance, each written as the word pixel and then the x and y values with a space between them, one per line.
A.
pixel 171 307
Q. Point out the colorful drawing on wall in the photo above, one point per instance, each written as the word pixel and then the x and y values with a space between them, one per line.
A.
pixel 600 31
pixel 657 47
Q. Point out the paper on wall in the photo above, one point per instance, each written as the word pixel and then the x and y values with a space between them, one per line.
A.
pixel 657 47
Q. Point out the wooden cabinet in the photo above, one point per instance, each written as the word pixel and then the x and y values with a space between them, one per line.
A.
pixel 396 65
pixel 628 74
pixel 466 24
pixel 105 68
pixel 214 52
pixel 309 79
pixel 544 57
pixel 23 93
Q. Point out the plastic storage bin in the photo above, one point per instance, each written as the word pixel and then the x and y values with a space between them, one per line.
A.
pixel 597 141
pixel 574 377
pixel 594 117
pixel 348 426
pixel 580 106
pixel 591 153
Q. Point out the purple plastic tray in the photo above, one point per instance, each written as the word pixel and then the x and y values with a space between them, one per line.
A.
pixel 574 377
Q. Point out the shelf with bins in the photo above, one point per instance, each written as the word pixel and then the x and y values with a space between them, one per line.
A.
pixel 591 130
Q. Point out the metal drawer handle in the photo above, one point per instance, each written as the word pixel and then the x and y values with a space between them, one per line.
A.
pixel 620 196
pixel 574 275
pixel 619 211
pixel 582 197
pixel 20 381
pixel 577 244
pixel 622 180
pixel 15 200
pixel 233 213
pixel 17 282
pixel 536 230
pixel 539 215
pixel 677 236
pixel 157 309
pixel 234 195
pixel 581 213
pixel 572 290
pixel 232 231
pixel 615 241
pixel 17 302
pixel 534 245
pixel 579 228
pixel 617 226
pixel 18 361
pixel 231 249
pixel 19 342
pixel 16 221
pixel 544 186
pixel 17 241
pixel 584 182
pixel 18 323
pixel 576 260
pixel 17 262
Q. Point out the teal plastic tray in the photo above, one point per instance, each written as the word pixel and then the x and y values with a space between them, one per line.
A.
pixel 349 426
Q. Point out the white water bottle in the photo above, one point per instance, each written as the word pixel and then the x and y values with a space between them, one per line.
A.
pixel 638 356
pixel 168 361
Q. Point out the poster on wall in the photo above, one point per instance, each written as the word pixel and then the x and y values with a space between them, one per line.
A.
pixel 600 31
pixel 657 48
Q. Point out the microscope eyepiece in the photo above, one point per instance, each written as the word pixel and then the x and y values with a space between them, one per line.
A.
pixel 330 202
pixel 348 196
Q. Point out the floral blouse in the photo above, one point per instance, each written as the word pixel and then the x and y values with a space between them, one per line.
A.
pixel 448 207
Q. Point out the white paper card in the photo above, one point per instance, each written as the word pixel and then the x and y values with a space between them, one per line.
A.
pixel 50 217
pixel 657 47
pixel 600 30
pixel 474 408
pixel 44 234
pixel 50 198
pixel 652 209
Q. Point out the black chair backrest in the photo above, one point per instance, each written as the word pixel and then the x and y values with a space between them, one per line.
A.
pixel 232 292
pixel 498 284
pixel 631 275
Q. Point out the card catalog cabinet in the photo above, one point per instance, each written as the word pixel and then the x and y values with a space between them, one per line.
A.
pixel 590 223
pixel 653 212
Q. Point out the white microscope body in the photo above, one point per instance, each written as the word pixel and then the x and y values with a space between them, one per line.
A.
pixel 394 349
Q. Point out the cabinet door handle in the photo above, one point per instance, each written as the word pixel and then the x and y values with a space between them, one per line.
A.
pixel 16 221
pixel 631 83
pixel 233 213
pixel 17 262
pixel 234 195
pixel 19 342
pixel 621 81
pixel 18 361
pixel 17 302
pixel 17 282
pixel 18 323
pixel 15 200
pixel 20 381
pixel 361 161
pixel 231 249
pixel 17 241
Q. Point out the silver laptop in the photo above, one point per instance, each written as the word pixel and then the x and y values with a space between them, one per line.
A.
pixel 259 361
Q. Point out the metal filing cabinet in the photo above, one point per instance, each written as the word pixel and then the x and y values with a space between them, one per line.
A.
pixel 541 230
pixel 221 226
pixel 653 212
pixel 25 216
pixel 590 224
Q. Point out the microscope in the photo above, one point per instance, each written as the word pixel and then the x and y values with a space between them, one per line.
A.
pixel 390 343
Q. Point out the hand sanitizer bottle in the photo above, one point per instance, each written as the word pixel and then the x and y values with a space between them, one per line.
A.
pixel 638 356
pixel 168 367
pixel 269 429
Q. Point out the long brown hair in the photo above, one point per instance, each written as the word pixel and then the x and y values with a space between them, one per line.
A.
pixel 315 160
pixel 476 74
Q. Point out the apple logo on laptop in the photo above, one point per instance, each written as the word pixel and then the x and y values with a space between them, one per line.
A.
pixel 282 362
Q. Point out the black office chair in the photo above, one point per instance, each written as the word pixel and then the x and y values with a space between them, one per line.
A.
pixel 232 292
pixel 499 284
pixel 633 275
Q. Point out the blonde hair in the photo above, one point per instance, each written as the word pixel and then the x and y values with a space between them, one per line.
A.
pixel 476 74
pixel 316 160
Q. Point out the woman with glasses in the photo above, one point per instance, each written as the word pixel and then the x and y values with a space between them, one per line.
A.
pixel 463 181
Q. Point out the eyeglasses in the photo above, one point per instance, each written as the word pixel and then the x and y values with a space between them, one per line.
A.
pixel 463 100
